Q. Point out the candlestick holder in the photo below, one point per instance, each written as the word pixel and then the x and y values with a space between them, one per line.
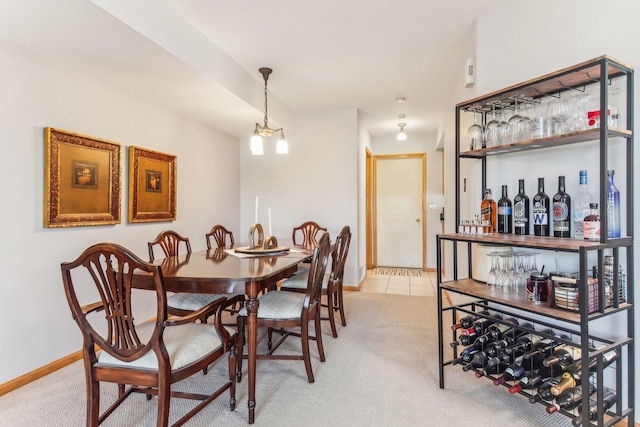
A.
pixel 258 244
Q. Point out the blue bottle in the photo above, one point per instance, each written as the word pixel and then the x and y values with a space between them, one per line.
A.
pixel 613 207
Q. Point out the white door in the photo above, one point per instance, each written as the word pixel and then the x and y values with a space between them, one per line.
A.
pixel 399 193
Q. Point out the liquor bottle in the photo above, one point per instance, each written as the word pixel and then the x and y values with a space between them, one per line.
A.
pixel 521 211
pixel 581 203
pixel 565 354
pixel 466 322
pixel 613 207
pixel 591 224
pixel 504 213
pixel 561 211
pixel 488 210
pixel 540 211
pixel 608 400
pixel 569 399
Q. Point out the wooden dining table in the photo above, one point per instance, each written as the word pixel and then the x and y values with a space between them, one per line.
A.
pixel 224 271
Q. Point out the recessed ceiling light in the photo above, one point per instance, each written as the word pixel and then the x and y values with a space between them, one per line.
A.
pixel 400 100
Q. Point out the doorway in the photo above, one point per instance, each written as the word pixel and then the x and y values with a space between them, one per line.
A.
pixel 398 209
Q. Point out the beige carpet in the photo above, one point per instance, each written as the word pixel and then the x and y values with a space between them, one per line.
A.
pixel 380 371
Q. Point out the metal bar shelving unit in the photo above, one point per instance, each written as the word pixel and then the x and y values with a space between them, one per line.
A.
pixel 599 71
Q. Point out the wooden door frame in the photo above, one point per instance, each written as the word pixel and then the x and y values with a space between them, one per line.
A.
pixel 370 262
pixel 372 203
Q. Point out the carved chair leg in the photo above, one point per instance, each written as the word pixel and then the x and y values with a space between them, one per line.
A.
pixel 304 339
pixel 332 319
pixel 93 402
pixel 318 332
pixel 340 301
pixel 164 395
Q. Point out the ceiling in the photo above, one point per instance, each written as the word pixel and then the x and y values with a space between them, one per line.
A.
pixel 200 57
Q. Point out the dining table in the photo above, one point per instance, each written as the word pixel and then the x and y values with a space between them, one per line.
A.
pixel 223 270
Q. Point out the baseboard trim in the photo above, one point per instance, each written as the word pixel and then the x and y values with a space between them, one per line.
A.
pixel 39 373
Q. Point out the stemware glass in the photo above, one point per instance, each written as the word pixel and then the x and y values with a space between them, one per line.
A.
pixel 476 134
pixel 505 272
pixel 504 134
pixel 515 130
pixel 580 109
pixel 558 112
pixel 492 276
pixel 491 129
pixel 524 125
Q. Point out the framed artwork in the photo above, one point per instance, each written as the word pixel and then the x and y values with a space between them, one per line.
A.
pixel 152 186
pixel 81 180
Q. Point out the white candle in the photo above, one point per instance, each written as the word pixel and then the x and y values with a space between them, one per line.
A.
pixel 255 220
pixel 270 222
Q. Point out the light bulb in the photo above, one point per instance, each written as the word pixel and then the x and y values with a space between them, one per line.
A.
pixel 401 136
pixel 281 146
pixel 257 145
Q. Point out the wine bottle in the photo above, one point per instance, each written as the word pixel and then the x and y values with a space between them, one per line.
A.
pixel 504 213
pixel 535 377
pixel 521 211
pixel 497 330
pixel 488 210
pixel 514 372
pixel 464 340
pixel 478 361
pixel 541 211
pixel 613 207
pixel 466 355
pixel 569 399
pixel 481 326
pixel 544 348
pixel 526 342
pixel 561 211
pixel 466 322
pixel 544 392
pixel 592 224
pixel 581 203
pixel 564 354
pixel 608 400
pixel 572 375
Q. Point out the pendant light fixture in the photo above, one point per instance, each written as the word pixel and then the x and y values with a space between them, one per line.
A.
pixel 262 132
pixel 401 135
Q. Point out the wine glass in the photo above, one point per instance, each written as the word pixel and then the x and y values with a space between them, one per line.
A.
pixel 524 125
pixel 491 129
pixel 504 134
pixel 492 276
pixel 580 109
pixel 476 134
pixel 514 124
pixel 558 112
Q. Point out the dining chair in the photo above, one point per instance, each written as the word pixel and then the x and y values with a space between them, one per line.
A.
pixel 282 309
pixel 221 235
pixel 306 233
pixel 332 284
pixel 183 303
pixel 146 357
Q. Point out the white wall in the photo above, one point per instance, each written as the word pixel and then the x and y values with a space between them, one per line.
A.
pixel 35 321
pixel 317 180
pixel 420 143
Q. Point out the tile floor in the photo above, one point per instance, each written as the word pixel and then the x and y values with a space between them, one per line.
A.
pixel 424 285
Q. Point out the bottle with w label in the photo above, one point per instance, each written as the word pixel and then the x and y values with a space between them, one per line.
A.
pixel 540 211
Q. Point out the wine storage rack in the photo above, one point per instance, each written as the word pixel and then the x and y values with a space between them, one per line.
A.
pixel 599 71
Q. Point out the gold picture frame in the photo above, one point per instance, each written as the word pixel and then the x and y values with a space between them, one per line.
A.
pixel 81 180
pixel 152 186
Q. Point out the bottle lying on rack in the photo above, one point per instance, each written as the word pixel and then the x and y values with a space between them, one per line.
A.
pixel 491 370
pixel 608 400
pixel 467 321
pixel 544 348
pixel 514 372
pixel 497 330
pixel 464 340
pixel 569 399
pixel 572 375
pixel 482 325
pixel 478 361
pixel 564 354
pixel 467 354
pixel 535 378
pixel 544 390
